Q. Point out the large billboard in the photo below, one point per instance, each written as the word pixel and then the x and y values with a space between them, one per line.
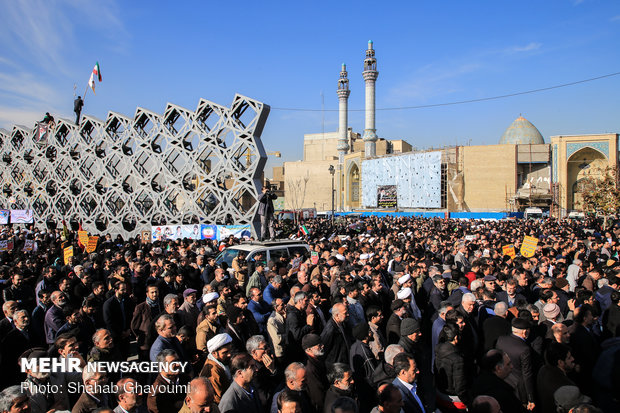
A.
pixel 416 176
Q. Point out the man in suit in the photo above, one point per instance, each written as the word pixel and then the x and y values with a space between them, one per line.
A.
pixel 337 336
pixel 163 396
pixel 129 397
pixel 522 376
pixel 92 399
pixel 240 396
pixel 496 326
pixel 406 374
pixel 117 313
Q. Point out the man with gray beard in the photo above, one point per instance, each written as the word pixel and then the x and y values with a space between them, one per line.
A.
pixel 316 372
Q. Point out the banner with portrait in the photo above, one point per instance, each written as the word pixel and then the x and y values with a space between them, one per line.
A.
pixel 387 197
pixel 4 216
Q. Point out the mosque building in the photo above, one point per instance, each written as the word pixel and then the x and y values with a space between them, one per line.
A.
pixel 366 172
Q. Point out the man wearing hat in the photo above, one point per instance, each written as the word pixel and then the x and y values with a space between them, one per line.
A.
pixel 521 378
pixel 393 325
pixel 316 372
pixel 188 310
pixel 411 342
pixel 216 367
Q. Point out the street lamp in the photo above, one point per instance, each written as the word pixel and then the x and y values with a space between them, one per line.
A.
pixel 332 171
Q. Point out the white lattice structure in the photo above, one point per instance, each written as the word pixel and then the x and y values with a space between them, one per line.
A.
pixel 123 175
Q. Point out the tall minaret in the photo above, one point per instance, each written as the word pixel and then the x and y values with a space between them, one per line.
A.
pixel 343 114
pixel 370 76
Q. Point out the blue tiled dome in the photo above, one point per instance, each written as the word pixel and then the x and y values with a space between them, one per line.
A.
pixel 521 132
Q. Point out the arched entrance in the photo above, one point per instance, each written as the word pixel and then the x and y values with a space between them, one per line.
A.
pixel 585 163
pixel 354 189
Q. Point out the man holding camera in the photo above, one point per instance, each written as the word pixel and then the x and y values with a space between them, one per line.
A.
pixel 265 210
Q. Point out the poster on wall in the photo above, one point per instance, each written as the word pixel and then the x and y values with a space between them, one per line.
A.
pixel 4 216
pixel 22 216
pixel 387 196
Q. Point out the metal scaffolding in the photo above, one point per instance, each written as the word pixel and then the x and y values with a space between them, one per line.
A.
pixel 122 175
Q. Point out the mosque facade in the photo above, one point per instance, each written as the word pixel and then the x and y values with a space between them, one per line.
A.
pixel 366 172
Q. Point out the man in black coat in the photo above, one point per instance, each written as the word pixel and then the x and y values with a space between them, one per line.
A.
pixel 496 366
pixel 12 346
pixel 553 375
pixel 340 377
pixel 265 211
pixel 117 314
pixel 393 325
pixel 523 372
pixel 337 337
pixel 298 324
pixel 496 326
pixel 585 346
pixel 316 372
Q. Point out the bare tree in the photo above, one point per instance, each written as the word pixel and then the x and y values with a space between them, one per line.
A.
pixel 296 193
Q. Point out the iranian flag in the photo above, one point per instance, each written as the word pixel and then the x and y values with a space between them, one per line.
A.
pixel 95 74
pixel 303 229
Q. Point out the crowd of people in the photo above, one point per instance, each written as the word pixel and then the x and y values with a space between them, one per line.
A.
pixel 385 314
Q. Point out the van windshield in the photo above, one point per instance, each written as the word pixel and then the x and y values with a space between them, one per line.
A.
pixel 227 256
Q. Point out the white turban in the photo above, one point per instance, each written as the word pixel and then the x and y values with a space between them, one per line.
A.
pixel 218 341
pixel 207 298
pixel 404 279
pixel 404 293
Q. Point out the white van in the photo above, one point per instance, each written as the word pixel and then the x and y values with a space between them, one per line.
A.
pixel 533 213
pixel 273 250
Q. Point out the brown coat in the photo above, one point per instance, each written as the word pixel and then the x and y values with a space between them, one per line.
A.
pixel 143 317
pixel 218 378
pixel 164 397
pixel 205 332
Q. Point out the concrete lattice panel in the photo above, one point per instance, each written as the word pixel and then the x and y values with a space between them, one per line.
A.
pixel 122 175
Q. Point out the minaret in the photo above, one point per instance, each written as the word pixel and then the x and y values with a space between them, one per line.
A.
pixel 370 76
pixel 343 114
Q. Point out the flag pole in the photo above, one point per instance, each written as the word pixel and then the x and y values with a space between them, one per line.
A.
pixel 85 91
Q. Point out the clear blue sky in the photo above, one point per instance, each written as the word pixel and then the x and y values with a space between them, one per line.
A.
pixel 287 53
